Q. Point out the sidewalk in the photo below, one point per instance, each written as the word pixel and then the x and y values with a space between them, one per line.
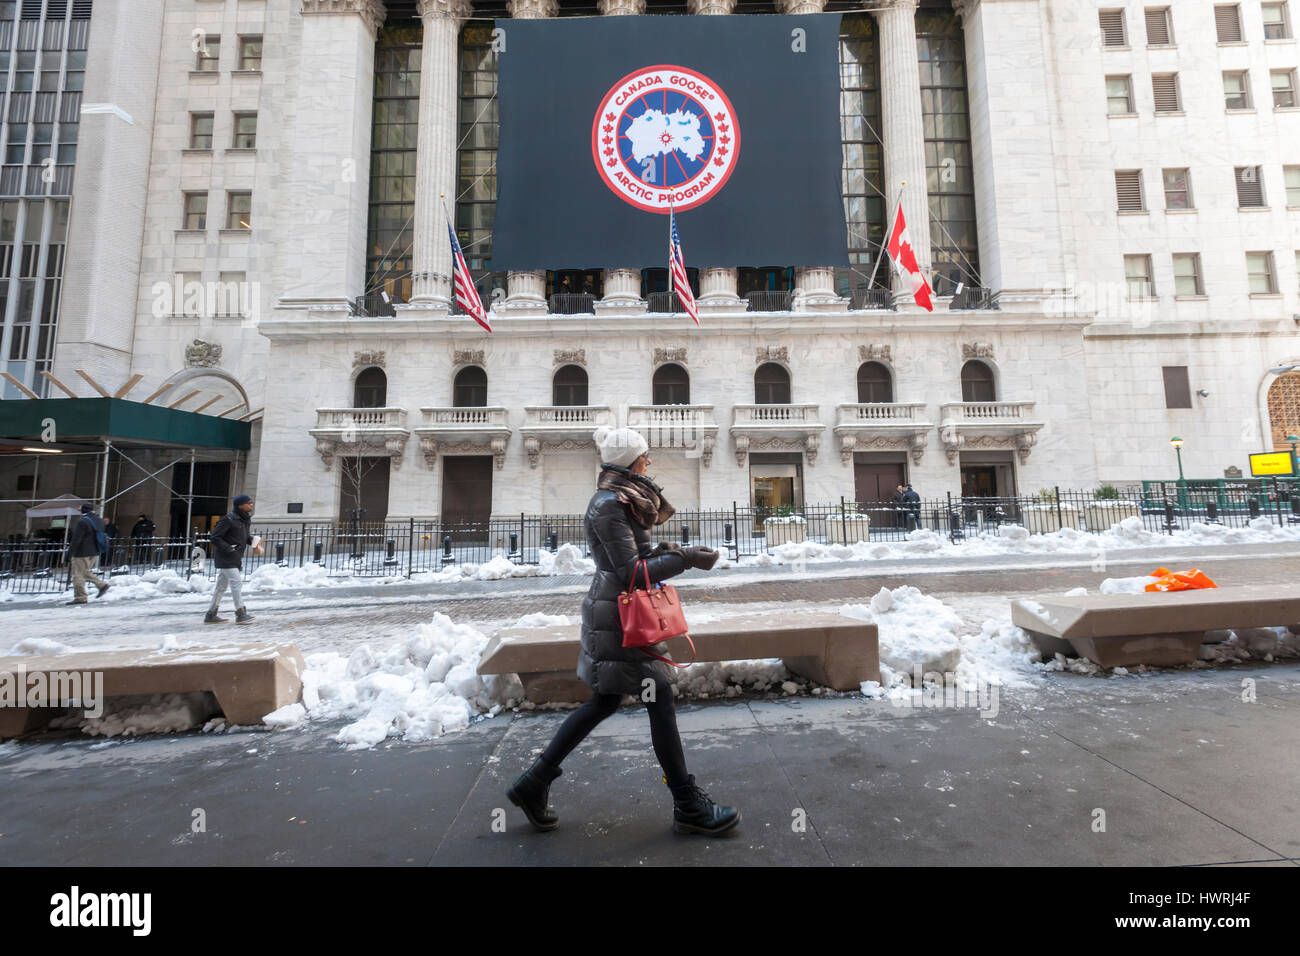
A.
pixel 1184 770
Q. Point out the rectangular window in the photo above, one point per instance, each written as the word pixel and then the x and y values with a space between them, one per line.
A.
pixel 1119 95
pixel 1178 389
pixel 1292 176
pixel 1160 30
pixel 1250 187
pixel 250 53
pixel 1165 88
pixel 200 131
pixel 1128 189
pixel 208 58
pixel 245 131
pixel 1112 28
pixel 1227 23
pixel 1283 88
pixel 1137 272
pixel 230 295
pixel 191 301
pixel 1277 25
pixel 239 210
pixel 196 211
pixel 1259 267
pixel 1236 90
pixel 1178 189
pixel 1187 274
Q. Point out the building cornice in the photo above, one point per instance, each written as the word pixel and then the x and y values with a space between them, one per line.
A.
pixel 372 12
pixel 1185 328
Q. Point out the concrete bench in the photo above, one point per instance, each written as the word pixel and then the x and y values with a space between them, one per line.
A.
pixel 1163 629
pixel 832 650
pixel 248 680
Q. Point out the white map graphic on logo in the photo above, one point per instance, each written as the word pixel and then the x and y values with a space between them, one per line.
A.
pixel 653 133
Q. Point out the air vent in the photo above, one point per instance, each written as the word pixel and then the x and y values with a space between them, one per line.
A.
pixel 1165 88
pixel 1158 33
pixel 1250 188
pixel 1227 21
pixel 1128 188
pixel 1112 28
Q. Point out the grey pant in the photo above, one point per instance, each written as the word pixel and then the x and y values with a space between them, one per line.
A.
pixel 232 577
pixel 83 570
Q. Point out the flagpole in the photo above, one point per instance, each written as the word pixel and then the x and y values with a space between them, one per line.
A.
pixel 884 246
pixel 672 215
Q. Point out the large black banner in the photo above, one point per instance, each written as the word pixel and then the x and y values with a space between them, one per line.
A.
pixel 606 121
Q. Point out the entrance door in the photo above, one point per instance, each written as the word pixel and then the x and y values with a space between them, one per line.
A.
pixel 979 481
pixel 878 481
pixel 467 496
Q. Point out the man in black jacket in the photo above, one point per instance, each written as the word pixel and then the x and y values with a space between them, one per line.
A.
pixel 229 539
pixel 83 549
pixel 141 535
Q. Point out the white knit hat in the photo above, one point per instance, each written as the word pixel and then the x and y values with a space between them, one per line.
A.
pixel 619 446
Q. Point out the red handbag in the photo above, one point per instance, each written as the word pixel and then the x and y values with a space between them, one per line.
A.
pixel 652 615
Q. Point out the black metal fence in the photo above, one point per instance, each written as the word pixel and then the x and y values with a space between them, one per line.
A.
pixel 416 546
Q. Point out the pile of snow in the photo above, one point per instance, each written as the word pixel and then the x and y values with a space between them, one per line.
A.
pixel 730 678
pixel 39 646
pixel 145 714
pixel 273 577
pixel 567 559
pixel 1251 643
pixel 538 619
pixel 1135 585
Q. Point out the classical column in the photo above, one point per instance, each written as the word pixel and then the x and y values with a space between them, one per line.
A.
pixel 903 132
pixel 526 290
pixel 622 286
pixel 717 284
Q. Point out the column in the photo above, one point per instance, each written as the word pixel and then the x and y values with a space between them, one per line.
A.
pixel 622 286
pixel 526 290
pixel 717 284
pixel 904 133
pixel 435 165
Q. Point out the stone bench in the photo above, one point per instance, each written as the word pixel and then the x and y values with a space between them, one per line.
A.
pixel 249 681
pixel 1163 629
pixel 832 650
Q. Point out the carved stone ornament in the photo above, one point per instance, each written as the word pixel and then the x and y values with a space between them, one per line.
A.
pixel 202 354
pixel 971 350
pixel 872 353
pixel 571 357
pixel 431 448
pixel 444 9
pixel 771 353
pixel 365 359
pixel 372 12
pixel 809 445
pixel 670 355
pixel 467 357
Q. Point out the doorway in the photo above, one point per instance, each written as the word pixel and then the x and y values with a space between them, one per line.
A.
pixel 467 497
pixel 775 486
pixel 877 481
pixel 363 496
pixel 979 481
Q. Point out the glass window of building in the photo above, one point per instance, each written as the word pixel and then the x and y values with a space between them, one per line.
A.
pixel 860 126
pixel 208 57
pixel 476 180
pixel 239 210
pixel 196 211
pixel 389 234
pixel 250 53
pixel 245 131
pixel 200 131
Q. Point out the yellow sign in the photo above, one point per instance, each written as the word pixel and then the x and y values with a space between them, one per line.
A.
pixel 1270 463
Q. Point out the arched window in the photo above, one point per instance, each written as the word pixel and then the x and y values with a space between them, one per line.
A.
pixel 671 385
pixel 875 384
pixel 569 387
pixel 977 382
pixel 370 389
pixel 470 388
pixel 771 385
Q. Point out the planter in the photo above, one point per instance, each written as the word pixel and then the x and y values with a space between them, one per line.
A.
pixel 1045 520
pixel 1101 515
pixel 778 531
pixel 853 527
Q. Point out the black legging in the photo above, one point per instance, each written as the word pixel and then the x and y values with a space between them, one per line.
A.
pixel 663 731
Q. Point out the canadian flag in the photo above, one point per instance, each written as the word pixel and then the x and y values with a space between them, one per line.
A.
pixel 904 260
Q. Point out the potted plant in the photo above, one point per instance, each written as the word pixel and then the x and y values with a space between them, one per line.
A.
pixel 848 526
pixel 784 526
pixel 1048 515
pixel 1108 509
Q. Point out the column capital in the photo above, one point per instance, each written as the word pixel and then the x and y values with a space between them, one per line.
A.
pixel 710 8
pixel 964 8
pixel 621 8
pixel 797 7
pixel 532 9
pixel 457 10
pixel 889 6
pixel 372 12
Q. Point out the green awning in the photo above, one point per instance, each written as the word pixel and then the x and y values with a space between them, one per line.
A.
pixel 91 420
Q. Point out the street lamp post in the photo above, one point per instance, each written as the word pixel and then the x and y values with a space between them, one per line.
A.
pixel 1178 448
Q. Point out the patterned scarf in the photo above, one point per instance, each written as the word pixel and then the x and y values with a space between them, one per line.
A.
pixel 645 499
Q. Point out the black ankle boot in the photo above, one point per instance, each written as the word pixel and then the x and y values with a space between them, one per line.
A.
pixel 529 793
pixel 695 812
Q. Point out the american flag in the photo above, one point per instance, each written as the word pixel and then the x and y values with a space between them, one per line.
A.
pixel 466 295
pixel 677 270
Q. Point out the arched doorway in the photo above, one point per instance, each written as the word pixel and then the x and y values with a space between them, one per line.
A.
pixel 1284 409
pixel 370 389
pixel 875 384
pixel 977 382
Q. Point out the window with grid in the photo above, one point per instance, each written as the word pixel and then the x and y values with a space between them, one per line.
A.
pixel 1250 187
pixel 1292 176
pixel 392 160
pixel 1283 88
pixel 1112 28
pixel 1187 274
pixel 476 187
pixel 1164 86
pixel 200 131
pixel 1137 274
pixel 196 211
pixel 1178 188
pixel 950 177
pixel 250 53
pixel 1277 24
pixel 239 210
pixel 1160 30
pixel 1259 268
pixel 208 57
pixel 860 122
pixel 1227 23
pixel 1236 90
pixel 1119 95
pixel 1128 190
pixel 245 131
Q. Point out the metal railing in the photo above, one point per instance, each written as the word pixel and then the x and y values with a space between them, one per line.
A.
pixel 972 297
pixel 666 303
pixel 373 306
pixel 766 300
pixel 864 299
pixel 571 303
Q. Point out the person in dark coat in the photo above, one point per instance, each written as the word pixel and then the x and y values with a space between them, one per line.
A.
pixel 229 539
pixel 141 535
pixel 83 550
pixel 619 517
pixel 913 502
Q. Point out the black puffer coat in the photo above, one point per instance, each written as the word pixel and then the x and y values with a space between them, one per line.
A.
pixel 229 539
pixel 616 543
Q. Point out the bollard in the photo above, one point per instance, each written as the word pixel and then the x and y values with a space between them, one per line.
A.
pixel 279 554
pixel 1170 521
pixel 447 556
pixel 552 542
pixel 686 534
pixel 911 522
pixel 316 553
pixel 956 532
pixel 391 556
pixel 1253 506
pixel 1212 512
pixel 157 557
pixel 514 546
pixel 1295 510
pixel 727 536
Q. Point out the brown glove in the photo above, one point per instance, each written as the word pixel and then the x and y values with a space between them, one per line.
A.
pixel 700 557
pixel 666 547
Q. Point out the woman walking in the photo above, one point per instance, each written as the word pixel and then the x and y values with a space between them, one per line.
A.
pixel 619 517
